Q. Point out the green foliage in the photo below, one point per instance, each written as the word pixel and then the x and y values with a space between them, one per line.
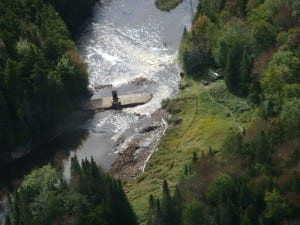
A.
pixel 230 34
pixel 276 208
pixel 245 71
pixel 231 72
pixel 195 47
pixel 237 187
pixel 207 115
pixel 291 91
pixel 277 82
pixel 296 8
pixel 290 43
pixel 289 63
pixel 221 189
pixel 264 35
pixel 41 74
pixel 252 4
pixel 194 214
pixel 212 8
pixel 67 9
pixel 255 44
pixel 290 116
pixel 168 212
pixel 91 197
pixel 167 5
pixel 206 45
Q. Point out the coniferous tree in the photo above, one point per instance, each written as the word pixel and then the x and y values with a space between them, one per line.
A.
pixel 177 205
pixel 159 216
pixel 75 166
pixel 151 216
pixel 232 76
pixel 245 70
pixel 43 199
pixel 167 205
pixel 194 214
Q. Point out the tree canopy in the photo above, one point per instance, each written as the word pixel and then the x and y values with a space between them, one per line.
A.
pixel 90 197
pixel 254 176
pixel 41 74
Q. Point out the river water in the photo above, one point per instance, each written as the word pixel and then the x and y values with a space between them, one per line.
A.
pixel 125 40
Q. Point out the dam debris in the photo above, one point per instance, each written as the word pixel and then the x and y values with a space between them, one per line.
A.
pixel 117 102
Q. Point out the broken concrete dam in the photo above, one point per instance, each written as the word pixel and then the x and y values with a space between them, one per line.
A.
pixel 117 102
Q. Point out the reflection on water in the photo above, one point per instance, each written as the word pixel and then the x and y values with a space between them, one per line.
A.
pixel 126 39
pixel 50 153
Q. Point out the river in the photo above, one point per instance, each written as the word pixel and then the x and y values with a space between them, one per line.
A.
pixel 124 41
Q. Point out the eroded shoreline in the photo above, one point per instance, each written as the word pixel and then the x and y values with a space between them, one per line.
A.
pixel 132 161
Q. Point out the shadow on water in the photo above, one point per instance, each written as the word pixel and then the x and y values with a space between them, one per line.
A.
pixel 56 150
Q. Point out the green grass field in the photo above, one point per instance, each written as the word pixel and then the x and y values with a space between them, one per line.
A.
pixel 204 117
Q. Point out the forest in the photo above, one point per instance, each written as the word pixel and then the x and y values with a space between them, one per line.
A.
pixel 74 13
pixel 88 197
pixel 41 73
pixel 254 178
pixel 167 5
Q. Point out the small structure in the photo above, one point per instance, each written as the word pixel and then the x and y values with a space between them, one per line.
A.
pixel 116 104
pixel 205 83
pixel 213 76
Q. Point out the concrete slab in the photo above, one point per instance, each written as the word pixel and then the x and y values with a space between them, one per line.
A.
pixel 129 100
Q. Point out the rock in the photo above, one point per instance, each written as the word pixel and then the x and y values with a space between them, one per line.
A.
pixel 131 161
pixel 150 128
pixel 98 87
pixel 141 81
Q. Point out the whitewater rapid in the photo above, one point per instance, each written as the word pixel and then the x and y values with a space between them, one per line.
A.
pixel 128 40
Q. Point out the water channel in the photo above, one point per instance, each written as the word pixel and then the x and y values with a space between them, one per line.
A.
pixel 125 40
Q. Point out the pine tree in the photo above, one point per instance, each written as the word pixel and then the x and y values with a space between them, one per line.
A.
pixel 232 75
pixel 151 217
pixel 195 157
pixel 75 166
pixel 158 216
pixel 167 206
pixel 177 205
pixel 245 70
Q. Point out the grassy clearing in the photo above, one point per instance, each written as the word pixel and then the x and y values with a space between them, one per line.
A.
pixel 206 115
pixel 167 5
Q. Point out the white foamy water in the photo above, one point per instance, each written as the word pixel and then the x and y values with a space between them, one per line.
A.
pixel 118 55
pixel 126 40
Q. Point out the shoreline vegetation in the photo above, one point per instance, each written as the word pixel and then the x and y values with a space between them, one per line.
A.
pixel 199 124
pixel 41 74
pixel 167 5
pixel 90 196
pixel 232 153
pixel 67 9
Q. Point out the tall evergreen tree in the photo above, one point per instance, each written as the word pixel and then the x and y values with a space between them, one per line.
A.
pixel 245 70
pixel 232 73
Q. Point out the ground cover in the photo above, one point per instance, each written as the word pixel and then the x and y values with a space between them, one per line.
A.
pixel 201 119
pixel 167 5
